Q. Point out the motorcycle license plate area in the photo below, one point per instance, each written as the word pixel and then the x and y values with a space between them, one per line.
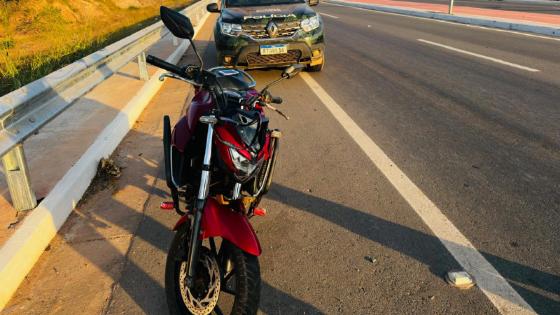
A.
pixel 274 49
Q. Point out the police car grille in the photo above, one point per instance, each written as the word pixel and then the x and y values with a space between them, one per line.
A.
pixel 258 31
pixel 292 56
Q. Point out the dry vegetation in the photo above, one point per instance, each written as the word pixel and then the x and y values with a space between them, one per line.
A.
pixel 40 36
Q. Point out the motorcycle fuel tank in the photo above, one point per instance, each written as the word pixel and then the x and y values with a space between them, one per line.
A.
pixel 185 128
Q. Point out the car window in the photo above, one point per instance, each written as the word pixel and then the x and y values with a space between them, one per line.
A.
pixel 247 3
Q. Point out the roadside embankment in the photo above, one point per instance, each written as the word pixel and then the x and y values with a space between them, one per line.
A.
pixel 38 37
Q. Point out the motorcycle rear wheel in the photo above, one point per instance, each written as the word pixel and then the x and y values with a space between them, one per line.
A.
pixel 238 287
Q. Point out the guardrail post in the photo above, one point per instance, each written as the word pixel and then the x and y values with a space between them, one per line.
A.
pixel 143 67
pixel 17 176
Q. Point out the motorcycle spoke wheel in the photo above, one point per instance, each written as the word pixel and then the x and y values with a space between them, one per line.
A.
pixel 237 279
pixel 203 297
pixel 240 289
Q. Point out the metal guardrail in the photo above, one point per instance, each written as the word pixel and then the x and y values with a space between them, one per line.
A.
pixel 24 111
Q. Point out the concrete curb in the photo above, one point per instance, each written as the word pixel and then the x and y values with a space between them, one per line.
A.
pixel 23 249
pixel 493 23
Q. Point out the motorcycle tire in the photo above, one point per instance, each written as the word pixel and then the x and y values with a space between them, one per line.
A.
pixel 245 276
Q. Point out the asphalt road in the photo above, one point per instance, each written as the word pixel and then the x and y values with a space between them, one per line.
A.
pixel 479 137
pixel 550 7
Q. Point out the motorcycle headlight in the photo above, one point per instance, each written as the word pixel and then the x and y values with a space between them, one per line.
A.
pixel 241 163
pixel 230 29
pixel 310 24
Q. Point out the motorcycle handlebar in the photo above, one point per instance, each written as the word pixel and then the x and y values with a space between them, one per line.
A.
pixel 164 65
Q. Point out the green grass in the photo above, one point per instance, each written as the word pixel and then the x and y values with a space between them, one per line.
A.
pixel 59 42
pixel 15 72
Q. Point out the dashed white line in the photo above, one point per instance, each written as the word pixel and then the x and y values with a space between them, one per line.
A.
pixel 488 279
pixel 514 65
pixel 331 16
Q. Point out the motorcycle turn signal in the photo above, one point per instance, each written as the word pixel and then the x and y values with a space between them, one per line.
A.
pixel 261 212
pixel 166 205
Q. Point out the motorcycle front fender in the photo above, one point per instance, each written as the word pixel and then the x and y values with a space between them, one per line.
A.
pixel 221 221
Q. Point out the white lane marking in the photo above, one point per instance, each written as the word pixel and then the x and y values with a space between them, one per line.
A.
pixel 500 61
pixel 448 22
pixel 496 288
pixel 331 16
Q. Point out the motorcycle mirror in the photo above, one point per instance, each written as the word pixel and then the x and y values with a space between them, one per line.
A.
pixel 288 73
pixel 213 8
pixel 178 24
pixel 292 71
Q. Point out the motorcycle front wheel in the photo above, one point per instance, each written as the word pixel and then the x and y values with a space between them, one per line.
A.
pixel 227 279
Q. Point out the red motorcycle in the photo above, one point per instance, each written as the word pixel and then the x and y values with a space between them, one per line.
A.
pixel 219 161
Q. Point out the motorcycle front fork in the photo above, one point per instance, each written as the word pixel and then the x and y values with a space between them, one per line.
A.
pixel 195 241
